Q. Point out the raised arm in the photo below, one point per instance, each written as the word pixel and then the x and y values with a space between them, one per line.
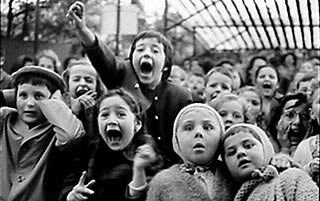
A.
pixel 101 57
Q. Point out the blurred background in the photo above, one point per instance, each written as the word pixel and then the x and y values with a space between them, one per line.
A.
pixel 204 30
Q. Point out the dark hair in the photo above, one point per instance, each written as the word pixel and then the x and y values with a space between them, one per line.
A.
pixel 134 105
pixel 20 62
pixel 36 80
pixel 223 71
pixel 301 99
pixel 237 130
pixel 283 58
pixel 250 66
pixel 265 66
pixel 167 49
pixel 305 78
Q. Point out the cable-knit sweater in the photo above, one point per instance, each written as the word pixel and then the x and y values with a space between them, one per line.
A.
pixel 293 185
pixel 174 185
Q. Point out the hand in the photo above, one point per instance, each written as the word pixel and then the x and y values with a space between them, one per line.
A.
pixel 282 162
pixel 84 101
pixel 76 15
pixel 283 137
pixel 314 166
pixel 81 191
pixel 144 157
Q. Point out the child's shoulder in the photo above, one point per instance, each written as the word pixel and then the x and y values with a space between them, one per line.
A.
pixel 167 175
pixel 5 111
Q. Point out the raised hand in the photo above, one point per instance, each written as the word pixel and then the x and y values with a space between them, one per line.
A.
pixel 76 14
pixel 144 157
pixel 81 191
pixel 85 101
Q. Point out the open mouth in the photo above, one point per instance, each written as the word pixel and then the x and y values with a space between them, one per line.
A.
pixel 81 90
pixel 267 86
pixel 146 67
pixel 198 145
pixel 114 136
pixel 243 162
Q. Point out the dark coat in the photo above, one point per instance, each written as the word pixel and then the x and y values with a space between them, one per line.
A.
pixel 160 106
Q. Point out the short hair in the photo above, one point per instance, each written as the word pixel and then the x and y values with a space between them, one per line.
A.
pixel 252 89
pixel 265 66
pixel 167 49
pixel 36 80
pixel 223 71
pixel 305 78
pixel 283 57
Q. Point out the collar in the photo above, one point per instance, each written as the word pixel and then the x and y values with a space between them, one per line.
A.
pixel 192 170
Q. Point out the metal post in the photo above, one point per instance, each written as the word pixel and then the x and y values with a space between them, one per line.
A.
pixel 36 30
pixel 194 41
pixel 165 18
pixel 118 28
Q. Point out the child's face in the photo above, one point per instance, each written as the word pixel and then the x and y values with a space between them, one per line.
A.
pixel 47 63
pixel 231 112
pixel 252 99
pixel 148 61
pixel 82 79
pixel 196 86
pixel 258 62
pixel 216 84
pixel 305 88
pixel 28 96
pixel 243 153
pixel 267 81
pixel 178 77
pixel 306 67
pixel 198 136
pixel 117 124
pixel 316 105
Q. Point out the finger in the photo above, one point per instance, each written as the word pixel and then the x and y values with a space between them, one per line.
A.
pixel 80 197
pixel 82 178
pixel 87 191
pixel 90 184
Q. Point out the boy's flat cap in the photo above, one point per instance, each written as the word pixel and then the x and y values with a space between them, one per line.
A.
pixel 53 77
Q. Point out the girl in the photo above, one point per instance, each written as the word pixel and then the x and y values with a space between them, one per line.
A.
pixel 231 109
pixel 121 153
pixel 246 152
pixel 197 132
pixel 252 67
pixel 308 153
pixel 217 80
pixel 250 96
pixel 267 83
pixel 84 87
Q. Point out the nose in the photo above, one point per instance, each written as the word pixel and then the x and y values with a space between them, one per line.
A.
pixel 241 153
pixel 218 88
pixel 30 102
pixel 82 82
pixel 296 121
pixel 228 118
pixel 198 133
pixel 112 120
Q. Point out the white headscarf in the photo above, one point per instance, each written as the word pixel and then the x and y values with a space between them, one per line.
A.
pixel 194 107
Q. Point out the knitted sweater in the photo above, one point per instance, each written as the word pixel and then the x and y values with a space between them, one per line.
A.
pixel 293 184
pixel 173 185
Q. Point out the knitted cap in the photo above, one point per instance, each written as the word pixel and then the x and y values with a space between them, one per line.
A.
pixel 265 141
pixel 53 77
pixel 183 111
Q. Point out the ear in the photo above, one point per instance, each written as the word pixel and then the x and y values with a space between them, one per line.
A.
pixel 137 125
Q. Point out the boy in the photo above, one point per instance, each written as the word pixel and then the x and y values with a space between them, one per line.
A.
pixel 34 136
pixel 144 75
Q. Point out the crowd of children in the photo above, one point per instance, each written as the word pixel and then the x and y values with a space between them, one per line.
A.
pixel 100 128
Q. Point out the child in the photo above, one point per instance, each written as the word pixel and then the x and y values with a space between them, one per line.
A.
pixel 217 80
pixel 267 83
pixel 307 153
pixel 84 87
pixel 230 107
pixel 144 75
pixel 247 152
pixel 196 139
pixel 121 153
pixel 178 76
pixel 250 96
pixel 33 137
pixel 196 85
pixel 49 59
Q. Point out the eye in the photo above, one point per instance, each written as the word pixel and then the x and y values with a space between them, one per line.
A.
pixel 305 117
pixel 104 114
pixel 223 113
pixel 230 152
pixel 89 80
pixel 290 114
pixel 208 127
pixel 237 115
pixel 213 85
pixel 188 127
pixel 39 96
pixel 255 103
pixel 248 145
pixel 155 50
pixel 225 86
pixel 140 49
pixel 121 114
pixel 23 95
pixel 75 79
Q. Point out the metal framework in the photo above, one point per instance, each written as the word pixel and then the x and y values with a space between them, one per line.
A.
pixel 251 24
